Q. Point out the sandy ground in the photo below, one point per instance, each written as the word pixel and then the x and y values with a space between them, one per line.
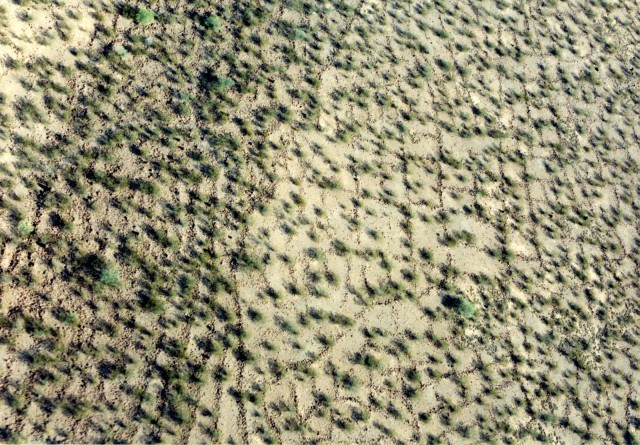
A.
pixel 334 222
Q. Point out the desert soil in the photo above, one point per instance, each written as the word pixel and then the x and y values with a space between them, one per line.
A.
pixel 332 221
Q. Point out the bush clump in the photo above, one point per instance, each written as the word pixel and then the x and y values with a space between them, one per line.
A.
pixel 144 17
pixel 223 83
pixel 463 306
pixel 213 22
pixel 25 228
pixel 110 276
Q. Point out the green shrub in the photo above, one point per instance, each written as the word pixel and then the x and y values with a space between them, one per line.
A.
pixel 213 22
pixel 368 361
pixel 110 276
pixel 223 83
pixel 444 65
pixel 144 16
pixel 25 228
pixel 121 51
pixel 463 306
pixel 466 308
pixel 300 35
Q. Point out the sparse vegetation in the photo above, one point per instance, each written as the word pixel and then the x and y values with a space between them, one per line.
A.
pixel 330 222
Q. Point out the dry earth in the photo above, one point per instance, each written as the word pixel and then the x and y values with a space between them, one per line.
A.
pixel 330 221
